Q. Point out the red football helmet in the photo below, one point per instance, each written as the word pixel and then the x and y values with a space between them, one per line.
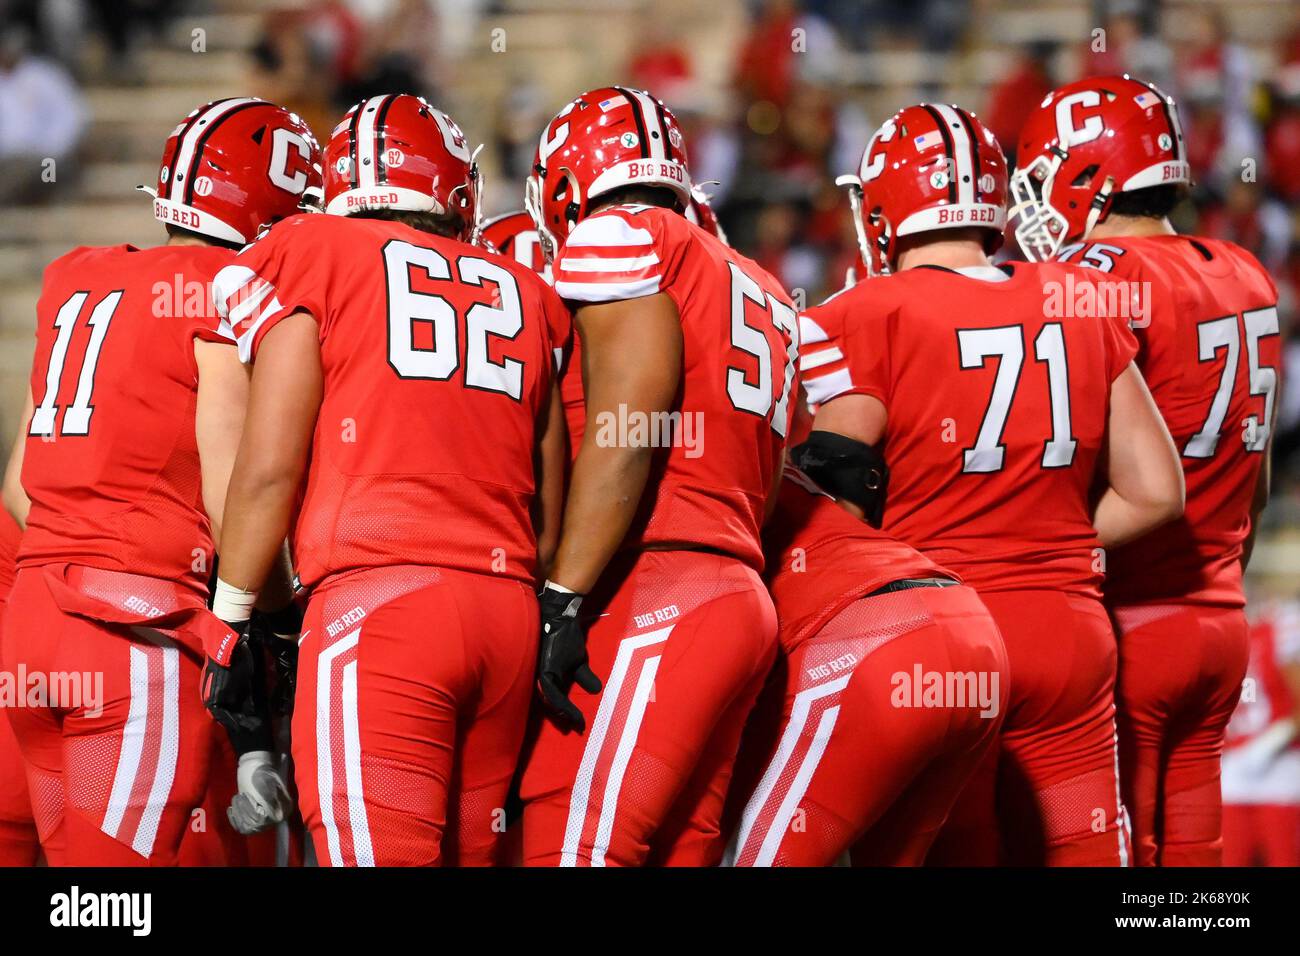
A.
pixel 1087 141
pixel 513 235
pixel 930 167
pixel 234 167
pixel 606 138
pixel 702 214
pixel 398 152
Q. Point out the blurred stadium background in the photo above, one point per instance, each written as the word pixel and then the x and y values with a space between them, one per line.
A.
pixel 777 97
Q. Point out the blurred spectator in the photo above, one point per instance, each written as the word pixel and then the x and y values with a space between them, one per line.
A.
pixel 1019 94
pixel 122 22
pixel 1217 87
pixel 518 118
pixel 1129 44
pixel 305 59
pixel 42 116
pixel 766 69
pixel 396 54
pixel 660 62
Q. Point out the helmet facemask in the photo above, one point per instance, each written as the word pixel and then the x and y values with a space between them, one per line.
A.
pixel 535 205
pixel 1041 229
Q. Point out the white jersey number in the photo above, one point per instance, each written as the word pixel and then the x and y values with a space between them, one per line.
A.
pixel 756 398
pixel 438 362
pixel 1225 334
pixel 76 419
pixel 1007 343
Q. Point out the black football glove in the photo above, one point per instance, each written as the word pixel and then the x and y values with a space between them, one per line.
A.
pixel 228 668
pixel 234 691
pixel 562 658
pixel 278 632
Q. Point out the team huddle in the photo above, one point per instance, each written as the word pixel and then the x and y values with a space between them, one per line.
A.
pixel 566 539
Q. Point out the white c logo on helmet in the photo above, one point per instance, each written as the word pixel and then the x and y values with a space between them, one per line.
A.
pixel 281 140
pixel 550 144
pixel 873 166
pixel 1066 131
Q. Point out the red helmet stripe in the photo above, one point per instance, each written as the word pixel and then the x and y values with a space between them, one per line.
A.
pixel 650 122
pixel 975 153
pixel 366 131
pixel 638 116
pixel 947 146
pixel 190 143
pixel 963 168
pixel 353 165
pixel 381 126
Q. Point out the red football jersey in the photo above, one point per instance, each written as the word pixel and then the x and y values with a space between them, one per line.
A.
pixel 1209 349
pixel 820 558
pixel 438 359
pixel 717 453
pixel 111 462
pixel 997 406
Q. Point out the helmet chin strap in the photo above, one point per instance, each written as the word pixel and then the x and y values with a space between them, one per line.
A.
pixel 1099 202
pixel 533 206
pixel 476 176
pixel 853 185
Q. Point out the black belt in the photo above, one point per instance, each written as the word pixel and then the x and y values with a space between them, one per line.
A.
pixel 906 584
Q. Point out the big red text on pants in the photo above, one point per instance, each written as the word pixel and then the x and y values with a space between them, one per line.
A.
pixel 412 699
pixel 858 694
pixel 683 641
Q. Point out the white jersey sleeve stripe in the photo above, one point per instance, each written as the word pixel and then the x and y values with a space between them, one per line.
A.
pixel 606 291
pixel 597 264
pixel 607 231
pixel 810 333
pixel 822 388
pixel 818 358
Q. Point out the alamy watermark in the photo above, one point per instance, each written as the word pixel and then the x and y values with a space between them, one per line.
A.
pixel 628 428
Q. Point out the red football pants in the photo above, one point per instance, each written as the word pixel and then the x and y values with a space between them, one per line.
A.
pixel 19 845
pixel 413 691
pixel 1180 674
pixel 1259 834
pixel 1049 795
pixel 683 642
pixel 209 839
pixel 887 710
pixel 117 752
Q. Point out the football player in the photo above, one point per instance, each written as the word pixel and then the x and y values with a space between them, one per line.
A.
pixel 870 629
pixel 513 235
pixel 408 377
pixel 688 354
pixel 1104 163
pixel 130 430
pixel 993 405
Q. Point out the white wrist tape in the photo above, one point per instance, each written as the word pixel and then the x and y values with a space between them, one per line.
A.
pixel 558 587
pixel 232 604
